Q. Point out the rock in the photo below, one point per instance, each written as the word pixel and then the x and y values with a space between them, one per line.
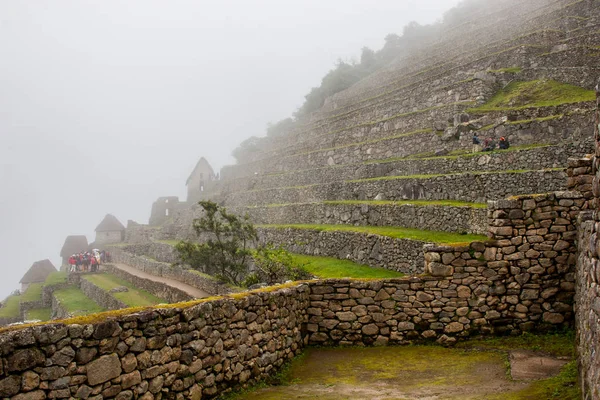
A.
pixel 30 381
pixel 25 359
pixel 37 395
pixel 10 386
pixel 454 327
pixel 370 329
pixel 103 369
pixel 119 289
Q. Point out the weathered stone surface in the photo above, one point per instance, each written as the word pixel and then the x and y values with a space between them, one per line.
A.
pixel 103 369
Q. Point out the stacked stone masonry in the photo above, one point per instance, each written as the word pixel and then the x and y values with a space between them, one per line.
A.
pixel 588 279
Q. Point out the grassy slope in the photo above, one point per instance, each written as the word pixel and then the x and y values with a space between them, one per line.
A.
pixel 329 267
pixel 390 231
pixel 540 93
pixel 55 278
pixel 133 298
pixel 33 293
pixel 42 314
pixel 11 307
pixel 74 301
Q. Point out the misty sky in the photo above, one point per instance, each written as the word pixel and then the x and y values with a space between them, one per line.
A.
pixel 106 105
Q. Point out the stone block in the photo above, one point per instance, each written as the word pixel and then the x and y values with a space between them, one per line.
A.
pixel 103 369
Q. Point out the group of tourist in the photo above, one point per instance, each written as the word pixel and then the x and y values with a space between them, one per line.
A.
pixel 489 144
pixel 88 261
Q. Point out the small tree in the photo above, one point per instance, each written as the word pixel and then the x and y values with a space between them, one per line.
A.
pixel 230 248
pixel 227 251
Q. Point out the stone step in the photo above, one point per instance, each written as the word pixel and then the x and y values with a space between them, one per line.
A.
pixel 470 187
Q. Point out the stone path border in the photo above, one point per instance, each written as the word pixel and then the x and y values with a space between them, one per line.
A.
pixel 192 291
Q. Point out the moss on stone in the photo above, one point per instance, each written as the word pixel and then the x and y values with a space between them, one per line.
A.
pixel 538 93
pixel 389 231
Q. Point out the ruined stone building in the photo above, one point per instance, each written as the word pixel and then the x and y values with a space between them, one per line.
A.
pixel 37 273
pixel 200 181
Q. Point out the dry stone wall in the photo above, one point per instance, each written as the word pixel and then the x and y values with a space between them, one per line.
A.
pixel 588 279
pixel 192 352
pixel 478 187
pixel 203 282
pixel 436 218
pixel 550 156
pixel 377 251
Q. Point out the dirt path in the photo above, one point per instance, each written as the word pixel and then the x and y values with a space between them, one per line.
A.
pixel 192 291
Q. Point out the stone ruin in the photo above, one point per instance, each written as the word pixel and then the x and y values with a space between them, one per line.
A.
pixel 389 151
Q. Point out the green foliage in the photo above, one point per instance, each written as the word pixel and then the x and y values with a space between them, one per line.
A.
pixel 134 297
pixel 329 267
pixel 55 278
pixel 76 302
pixel 33 293
pixel 539 93
pixel 42 314
pixel 11 307
pixel 389 231
pixel 275 265
pixel 227 252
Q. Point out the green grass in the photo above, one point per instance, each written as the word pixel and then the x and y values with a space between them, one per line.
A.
pixel 12 307
pixel 560 344
pixel 33 293
pixel 389 231
pixel 169 242
pixel 447 203
pixel 474 173
pixel 42 314
pixel 134 297
pixel 55 278
pixel 539 93
pixel 463 153
pixel 402 135
pixel 76 302
pixel 329 267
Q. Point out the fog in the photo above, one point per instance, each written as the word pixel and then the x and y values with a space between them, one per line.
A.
pixel 107 105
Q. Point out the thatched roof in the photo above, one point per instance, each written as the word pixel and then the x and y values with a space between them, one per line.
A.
pixel 38 272
pixel 202 163
pixel 74 244
pixel 110 223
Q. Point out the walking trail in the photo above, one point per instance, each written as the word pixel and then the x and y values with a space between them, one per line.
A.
pixel 191 290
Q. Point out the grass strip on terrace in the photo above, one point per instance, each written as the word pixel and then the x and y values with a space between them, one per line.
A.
pixel 12 307
pixel 133 297
pixel 42 314
pixel 538 93
pixel 75 302
pixel 407 134
pixel 55 278
pixel 389 231
pixel 424 203
pixel 33 292
pixel 475 173
pixel 329 267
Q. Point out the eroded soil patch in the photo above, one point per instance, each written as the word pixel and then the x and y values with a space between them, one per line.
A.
pixel 398 373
